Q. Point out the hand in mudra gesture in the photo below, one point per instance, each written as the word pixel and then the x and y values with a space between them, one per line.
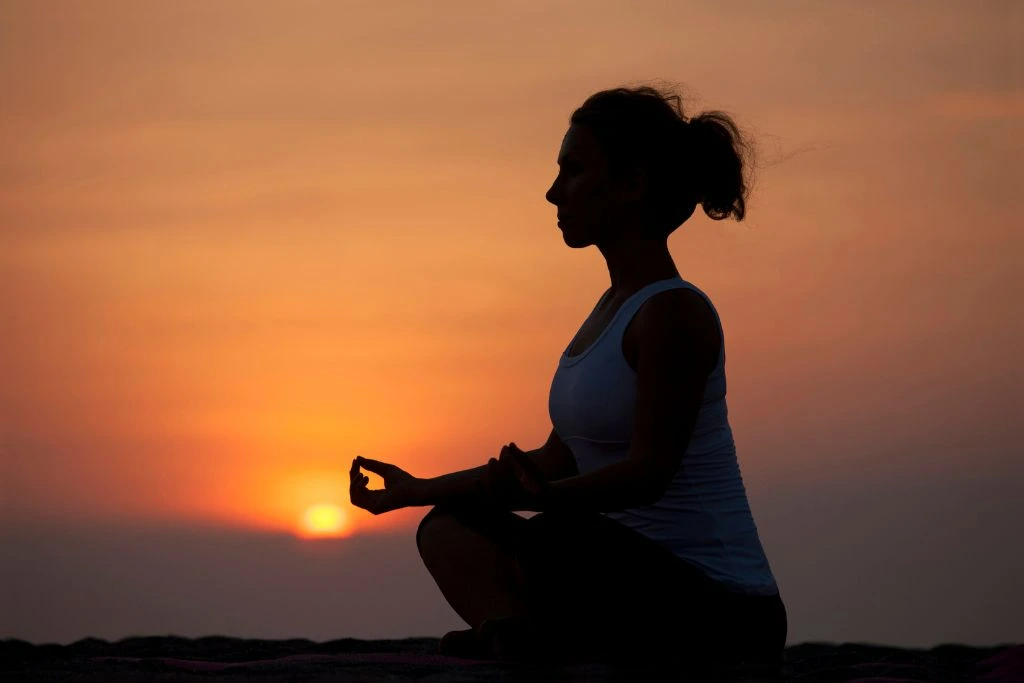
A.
pixel 513 479
pixel 400 487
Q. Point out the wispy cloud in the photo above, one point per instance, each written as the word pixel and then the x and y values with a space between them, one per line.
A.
pixel 981 105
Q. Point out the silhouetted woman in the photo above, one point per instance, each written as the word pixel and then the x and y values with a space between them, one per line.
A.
pixel 644 545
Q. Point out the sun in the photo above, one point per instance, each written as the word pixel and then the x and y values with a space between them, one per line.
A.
pixel 323 520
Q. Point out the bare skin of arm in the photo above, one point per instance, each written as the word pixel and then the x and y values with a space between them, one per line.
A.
pixel 554 459
pixel 678 343
pixel 677 348
pixel 401 489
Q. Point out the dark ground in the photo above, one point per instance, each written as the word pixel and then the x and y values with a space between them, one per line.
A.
pixel 169 659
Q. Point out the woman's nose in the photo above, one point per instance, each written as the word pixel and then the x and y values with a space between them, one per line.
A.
pixel 550 195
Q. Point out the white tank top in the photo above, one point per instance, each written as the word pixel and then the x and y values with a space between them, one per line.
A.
pixel 704 516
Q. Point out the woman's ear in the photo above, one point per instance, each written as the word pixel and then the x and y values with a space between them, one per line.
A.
pixel 633 184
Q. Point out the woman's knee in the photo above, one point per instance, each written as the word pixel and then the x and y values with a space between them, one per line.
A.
pixel 428 526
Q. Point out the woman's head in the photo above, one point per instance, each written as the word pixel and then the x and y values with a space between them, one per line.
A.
pixel 631 157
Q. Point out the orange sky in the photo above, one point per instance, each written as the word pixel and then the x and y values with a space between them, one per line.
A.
pixel 242 243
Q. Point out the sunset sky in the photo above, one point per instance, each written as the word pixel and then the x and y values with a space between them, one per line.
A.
pixel 243 242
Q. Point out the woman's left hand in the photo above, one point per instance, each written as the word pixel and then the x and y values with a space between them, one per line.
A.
pixel 516 480
pixel 401 489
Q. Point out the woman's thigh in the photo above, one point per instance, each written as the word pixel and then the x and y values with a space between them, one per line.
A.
pixel 596 585
pixel 503 527
pixel 595 563
pixel 611 587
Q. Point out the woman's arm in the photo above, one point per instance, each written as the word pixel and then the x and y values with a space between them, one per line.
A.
pixel 450 489
pixel 402 490
pixel 618 486
pixel 554 459
pixel 474 485
pixel 678 343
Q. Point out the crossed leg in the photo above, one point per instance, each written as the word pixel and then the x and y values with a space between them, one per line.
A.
pixel 589 582
pixel 476 572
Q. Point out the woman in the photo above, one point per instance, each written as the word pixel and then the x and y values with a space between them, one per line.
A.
pixel 644 545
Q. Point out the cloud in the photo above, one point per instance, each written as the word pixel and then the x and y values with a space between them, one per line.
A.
pixel 981 105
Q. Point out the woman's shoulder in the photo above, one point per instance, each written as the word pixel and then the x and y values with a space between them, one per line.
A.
pixel 680 315
pixel 685 306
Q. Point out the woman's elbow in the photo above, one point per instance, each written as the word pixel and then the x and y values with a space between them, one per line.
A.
pixel 652 471
pixel 650 490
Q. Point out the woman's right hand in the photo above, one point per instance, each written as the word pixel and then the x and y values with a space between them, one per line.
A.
pixel 401 489
pixel 514 481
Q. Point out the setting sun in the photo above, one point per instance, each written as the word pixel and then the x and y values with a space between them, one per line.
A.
pixel 323 519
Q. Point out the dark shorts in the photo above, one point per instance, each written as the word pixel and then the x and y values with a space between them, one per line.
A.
pixel 599 586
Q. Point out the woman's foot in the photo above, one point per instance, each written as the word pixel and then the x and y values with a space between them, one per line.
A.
pixel 513 639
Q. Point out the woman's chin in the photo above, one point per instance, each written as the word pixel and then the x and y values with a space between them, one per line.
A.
pixel 573 242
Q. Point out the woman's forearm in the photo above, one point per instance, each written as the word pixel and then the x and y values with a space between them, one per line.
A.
pixel 457 487
pixel 451 488
pixel 615 487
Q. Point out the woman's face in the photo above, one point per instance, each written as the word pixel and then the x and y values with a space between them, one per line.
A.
pixel 589 204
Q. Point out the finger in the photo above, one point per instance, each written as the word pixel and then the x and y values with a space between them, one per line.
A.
pixel 375 466
pixel 506 466
pixel 518 471
pixel 356 494
pixel 529 473
pixel 357 487
pixel 367 500
pixel 521 458
pixel 354 471
pixel 524 461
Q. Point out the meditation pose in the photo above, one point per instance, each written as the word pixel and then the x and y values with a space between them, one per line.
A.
pixel 642 544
